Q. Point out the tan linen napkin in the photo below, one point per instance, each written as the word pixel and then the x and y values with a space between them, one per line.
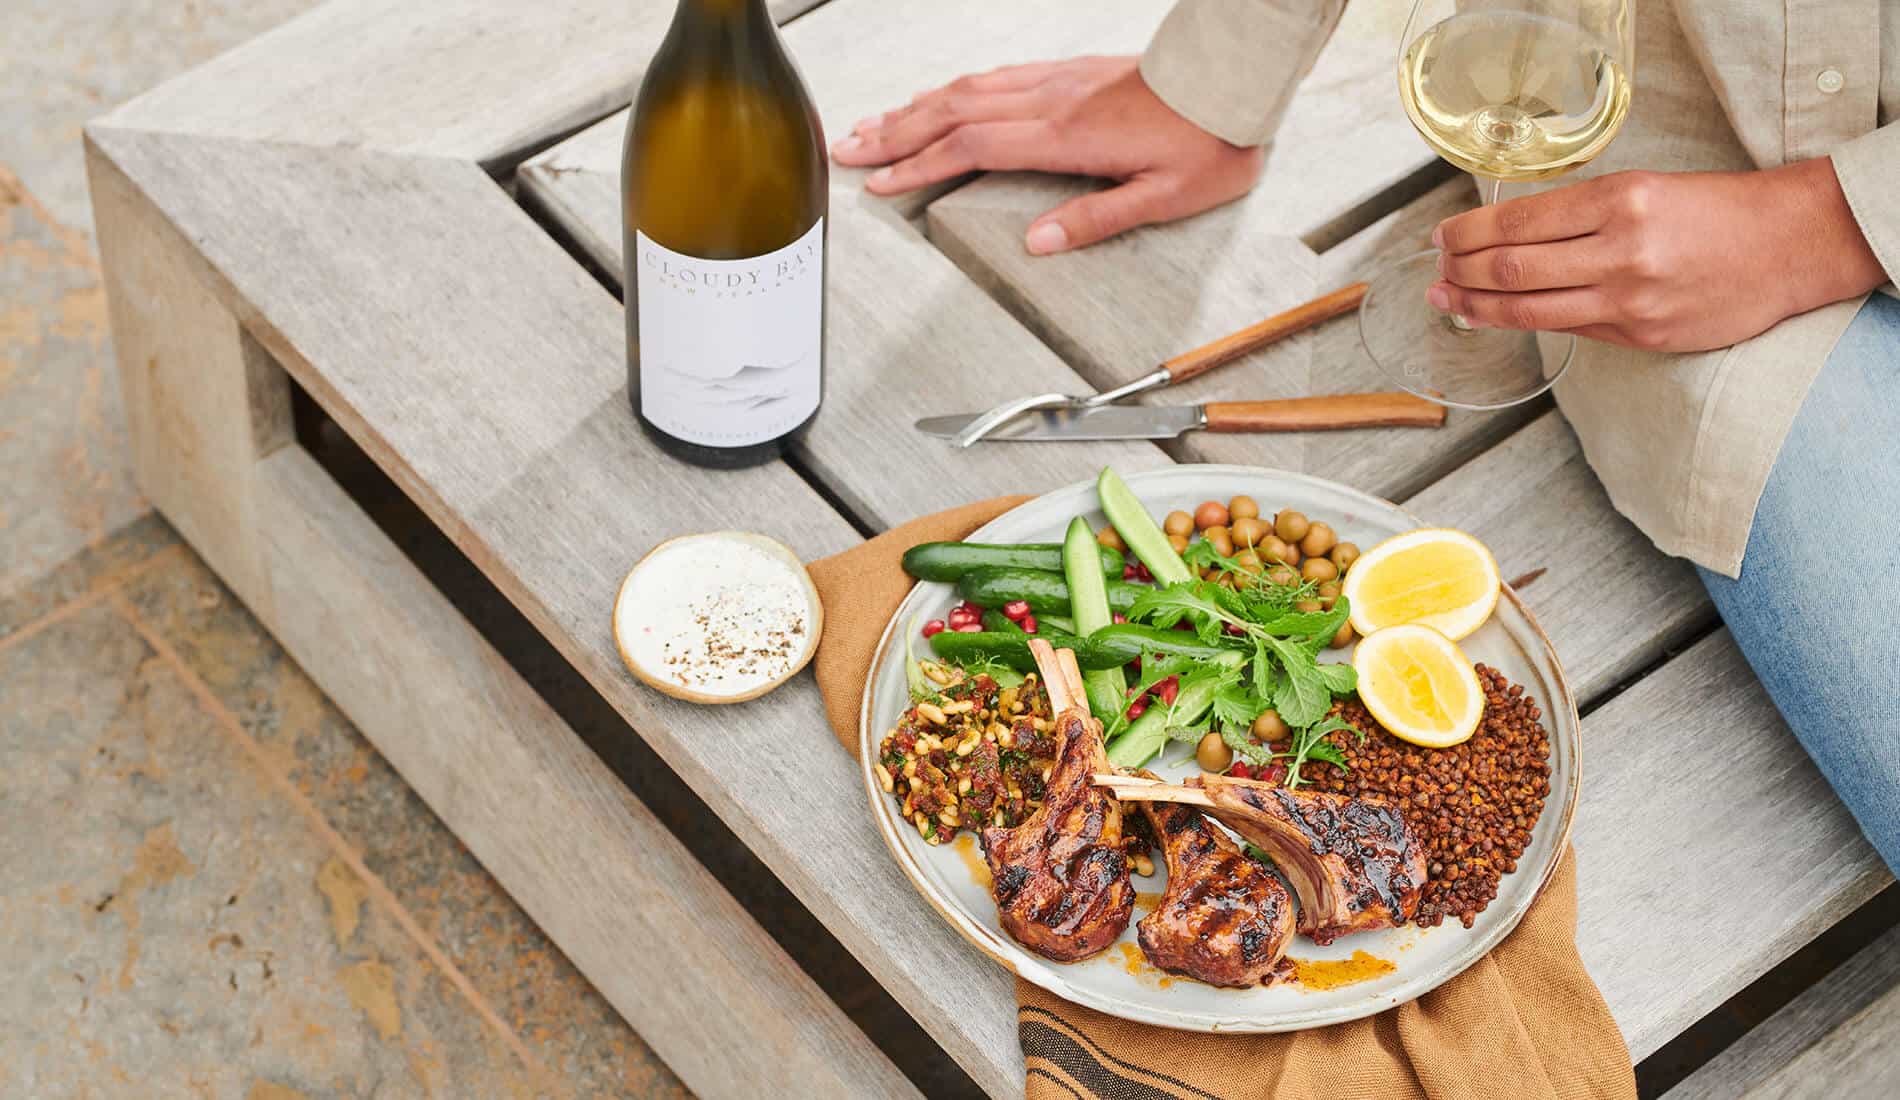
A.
pixel 1524 1022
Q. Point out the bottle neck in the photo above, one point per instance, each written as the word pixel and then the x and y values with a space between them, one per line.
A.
pixel 724 10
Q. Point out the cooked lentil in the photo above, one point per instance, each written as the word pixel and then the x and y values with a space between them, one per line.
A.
pixel 1473 806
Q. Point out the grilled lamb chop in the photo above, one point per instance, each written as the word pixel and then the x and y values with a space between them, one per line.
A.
pixel 1060 878
pixel 1224 919
pixel 1352 862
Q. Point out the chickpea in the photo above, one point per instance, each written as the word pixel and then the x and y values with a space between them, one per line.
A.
pixel 1283 575
pixel 1220 540
pixel 1318 569
pixel 1211 513
pixel 1319 539
pixel 1268 728
pixel 1178 523
pixel 1210 574
pixel 1307 605
pixel 1328 594
pixel 1248 531
pixel 1213 755
pixel 1179 542
pixel 1243 508
pixel 1249 561
pixel 1275 548
pixel 1112 539
pixel 1342 639
pixel 1344 554
pixel 1290 525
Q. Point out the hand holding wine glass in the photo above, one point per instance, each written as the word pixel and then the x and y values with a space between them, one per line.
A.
pixel 1509 90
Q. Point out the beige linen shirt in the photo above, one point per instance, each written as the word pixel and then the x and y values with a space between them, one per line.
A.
pixel 1684 443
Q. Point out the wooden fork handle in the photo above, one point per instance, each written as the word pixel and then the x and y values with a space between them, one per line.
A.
pixel 1319 414
pixel 1228 348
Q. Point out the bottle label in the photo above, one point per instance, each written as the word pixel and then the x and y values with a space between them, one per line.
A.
pixel 730 349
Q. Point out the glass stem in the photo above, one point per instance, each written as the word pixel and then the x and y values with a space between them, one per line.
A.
pixel 1485 199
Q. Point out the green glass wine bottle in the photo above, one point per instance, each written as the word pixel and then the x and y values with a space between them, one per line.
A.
pixel 724 194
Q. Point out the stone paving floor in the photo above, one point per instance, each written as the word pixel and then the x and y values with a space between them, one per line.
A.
pixel 211 884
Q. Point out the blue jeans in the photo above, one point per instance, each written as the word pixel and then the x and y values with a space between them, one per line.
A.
pixel 1817 608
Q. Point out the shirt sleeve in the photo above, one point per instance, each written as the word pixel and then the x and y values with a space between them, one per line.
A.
pixel 1230 66
pixel 1867 167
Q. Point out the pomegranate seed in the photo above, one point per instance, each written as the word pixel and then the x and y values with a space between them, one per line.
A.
pixel 970 628
pixel 1134 667
pixel 1135 708
pixel 1119 617
pixel 1028 623
pixel 933 627
pixel 1240 771
pixel 1142 574
pixel 1131 572
pixel 1274 774
pixel 1014 610
pixel 1131 691
pixel 1234 630
pixel 1166 690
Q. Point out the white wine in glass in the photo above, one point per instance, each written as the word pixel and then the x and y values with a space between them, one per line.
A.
pixel 1510 90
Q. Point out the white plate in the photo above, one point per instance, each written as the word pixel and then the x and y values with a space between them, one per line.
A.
pixel 1511 642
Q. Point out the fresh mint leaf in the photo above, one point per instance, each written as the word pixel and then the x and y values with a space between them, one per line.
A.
pixel 1188 601
pixel 1329 752
pixel 1340 679
pixel 1305 624
pixel 1237 705
pixel 1302 697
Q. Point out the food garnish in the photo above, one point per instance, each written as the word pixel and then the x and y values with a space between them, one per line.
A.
pixel 717 618
pixel 1419 685
pixel 1433 576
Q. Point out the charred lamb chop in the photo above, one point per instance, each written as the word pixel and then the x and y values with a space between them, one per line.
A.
pixel 1224 919
pixel 1352 862
pixel 1060 878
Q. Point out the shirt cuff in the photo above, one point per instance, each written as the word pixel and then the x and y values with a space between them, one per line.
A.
pixel 1230 66
pixel 1867 168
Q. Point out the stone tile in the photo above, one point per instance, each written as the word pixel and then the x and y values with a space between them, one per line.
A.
pixel 68 61
pixel 62 431
pixel 92 568
pixel 567 1025
pixel 166 916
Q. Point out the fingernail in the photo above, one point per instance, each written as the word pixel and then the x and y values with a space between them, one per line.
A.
pixel 1438 236
pixel 1439 297
pixel 1046 238
pixel 866 125
pixel 879 178
pixel 848 144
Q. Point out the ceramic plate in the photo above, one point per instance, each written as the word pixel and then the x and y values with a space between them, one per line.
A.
pixel 1118 981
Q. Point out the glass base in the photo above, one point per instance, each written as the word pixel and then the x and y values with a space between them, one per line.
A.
pixel 1438 356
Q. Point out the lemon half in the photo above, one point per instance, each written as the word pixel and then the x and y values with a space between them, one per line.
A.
pixel 1419 685
pixel 1433 576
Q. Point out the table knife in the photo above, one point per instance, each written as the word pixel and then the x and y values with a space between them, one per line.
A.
pixel 1293 414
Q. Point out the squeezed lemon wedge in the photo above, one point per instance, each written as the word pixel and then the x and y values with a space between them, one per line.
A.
pixel 1434 576
pixel 1419 685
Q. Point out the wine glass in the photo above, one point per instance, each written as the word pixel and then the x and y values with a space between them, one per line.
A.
pixel 1507 90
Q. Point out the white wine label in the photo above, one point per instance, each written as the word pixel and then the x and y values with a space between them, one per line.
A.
pixel 730 349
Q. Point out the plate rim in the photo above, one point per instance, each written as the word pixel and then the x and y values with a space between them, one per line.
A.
pixel 1045 975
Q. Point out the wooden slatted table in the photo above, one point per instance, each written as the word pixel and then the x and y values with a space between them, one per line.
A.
pixel 341 203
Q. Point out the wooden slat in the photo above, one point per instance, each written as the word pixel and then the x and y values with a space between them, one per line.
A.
pixel 1611 603
pixel 481 368
pixel 1709 847
pixel 588 861
pixel 475 79
pixel 864 57
pixel 908 336
pixel 1818 1040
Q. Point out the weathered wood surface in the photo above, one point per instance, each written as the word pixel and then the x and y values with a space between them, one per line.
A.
pixel 862 58
pixel 1819 1039
pixel 543 814
pixel 1692 786
pixel 482 369
pixel 587 860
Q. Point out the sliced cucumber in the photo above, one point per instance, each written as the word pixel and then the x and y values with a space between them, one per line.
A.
pixel 1138 529
pixel 1088 599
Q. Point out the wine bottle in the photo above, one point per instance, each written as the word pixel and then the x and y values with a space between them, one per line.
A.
pixel 724 195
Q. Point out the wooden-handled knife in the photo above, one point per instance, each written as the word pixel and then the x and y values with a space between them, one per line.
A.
pixel 1293 414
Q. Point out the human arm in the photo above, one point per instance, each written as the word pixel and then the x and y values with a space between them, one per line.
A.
pixel 1178 129
pixel 1679 261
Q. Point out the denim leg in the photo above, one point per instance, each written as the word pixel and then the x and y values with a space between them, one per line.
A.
pixel 1817 608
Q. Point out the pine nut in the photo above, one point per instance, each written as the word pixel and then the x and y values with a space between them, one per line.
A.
pixel 1005 739
pixel 1144 865
pixel 884 778
pixel 968 746
pixel 932 713
pixel 963 787
pixel 910 768
pixel 936 672
pixel 949 818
